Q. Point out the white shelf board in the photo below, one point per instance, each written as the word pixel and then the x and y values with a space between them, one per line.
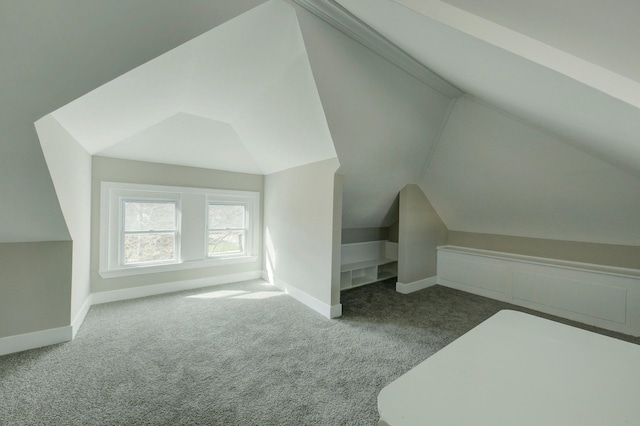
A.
pixel 362 281
pixel 385 275
pixel 366 264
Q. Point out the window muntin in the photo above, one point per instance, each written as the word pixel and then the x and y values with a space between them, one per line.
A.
pixel 149 232
pixel 227 229
pixel 191 228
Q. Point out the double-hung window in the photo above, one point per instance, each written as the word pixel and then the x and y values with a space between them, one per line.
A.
pixel 152 228
pixel 227 229
pixel 149 232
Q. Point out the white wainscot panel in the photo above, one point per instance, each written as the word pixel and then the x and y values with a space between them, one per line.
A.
pixel 486 277
pixel 581 297
pixel 602 296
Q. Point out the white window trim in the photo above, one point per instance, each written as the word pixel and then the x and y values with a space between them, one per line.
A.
pixel 121 231
pixel 112 192
pixel 247 225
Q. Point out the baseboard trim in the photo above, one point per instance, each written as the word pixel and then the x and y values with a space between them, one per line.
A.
pixel 37 339
pixel 152 290
pixel 336 311
pixel 80 316
pixel 328 311
pixel 416 285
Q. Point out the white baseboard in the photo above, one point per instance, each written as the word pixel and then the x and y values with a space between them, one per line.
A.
pixel 416 285
pixel 336 311
pixel 80 316
pixel 152 290
pixel 37 339
pixel 328 311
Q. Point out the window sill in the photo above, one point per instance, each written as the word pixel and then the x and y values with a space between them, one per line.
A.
pixel 192 264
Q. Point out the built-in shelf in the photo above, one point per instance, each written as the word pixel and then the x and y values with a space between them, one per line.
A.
pixel 366 263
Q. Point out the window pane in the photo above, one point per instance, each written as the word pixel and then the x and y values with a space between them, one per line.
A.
pixel 225 216
pixel 149 216
pixel 226 242
pixel 153 247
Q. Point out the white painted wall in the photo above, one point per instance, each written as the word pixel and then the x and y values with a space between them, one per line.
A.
pixel 420 231
pixel 383 121
pixel 35 287
pixel 299 233
pixel 494 174
pixel 118 170
pixel 338 189
pixel 70 168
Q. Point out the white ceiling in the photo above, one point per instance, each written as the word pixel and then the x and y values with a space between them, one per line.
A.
pixel 586 104
pixel 568 69
pixel 493 174
pixel 175 139
pixel 603 32
pixel 240 97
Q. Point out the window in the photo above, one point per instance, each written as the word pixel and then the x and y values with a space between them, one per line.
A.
pixel 149 232
pixel 227 226
pixel 151 228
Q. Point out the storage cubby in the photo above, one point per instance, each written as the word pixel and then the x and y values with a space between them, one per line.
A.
pixel 366 263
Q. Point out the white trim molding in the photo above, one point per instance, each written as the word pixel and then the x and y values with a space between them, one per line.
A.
pixel 328 311
pixel 152 290
pixel 80 316
pixel 191 226
pixel 416 285
pixel 37 339
pixel 343 20
pixel 602 296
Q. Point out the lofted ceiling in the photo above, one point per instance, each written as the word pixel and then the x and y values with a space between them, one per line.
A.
pixel 226 100
pixel 582 102
pixel 514 117
pixel 604 33
pixel 544 141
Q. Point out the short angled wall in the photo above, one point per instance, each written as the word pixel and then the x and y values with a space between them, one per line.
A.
pixel 37 339
pixel 606 297
pixel 35 287
pixel 300 231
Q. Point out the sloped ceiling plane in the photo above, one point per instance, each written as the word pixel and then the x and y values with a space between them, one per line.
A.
pixel 515 118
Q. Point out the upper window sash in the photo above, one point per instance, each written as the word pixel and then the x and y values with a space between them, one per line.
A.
pixel 166 224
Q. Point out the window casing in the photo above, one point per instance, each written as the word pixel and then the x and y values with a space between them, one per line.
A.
pixel 227 229
pixel 148 232
pixel 150 228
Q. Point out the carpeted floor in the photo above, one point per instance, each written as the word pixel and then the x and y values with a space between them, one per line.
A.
pixel 242 354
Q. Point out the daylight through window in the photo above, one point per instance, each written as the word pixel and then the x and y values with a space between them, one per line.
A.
pixel 153 228
pixel 149 233
pixel 227 229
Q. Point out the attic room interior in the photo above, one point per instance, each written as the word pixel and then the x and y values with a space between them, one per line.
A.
pixel 482 149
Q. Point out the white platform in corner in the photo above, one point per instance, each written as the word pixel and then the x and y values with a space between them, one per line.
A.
pixel 517 369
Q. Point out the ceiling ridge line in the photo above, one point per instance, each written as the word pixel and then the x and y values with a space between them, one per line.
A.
pixel 341 19
pixel 437 139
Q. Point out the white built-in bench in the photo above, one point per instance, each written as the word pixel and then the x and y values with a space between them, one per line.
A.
pixel 368 262
pixel 603 296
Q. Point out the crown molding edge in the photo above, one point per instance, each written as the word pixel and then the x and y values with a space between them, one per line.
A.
pixel 343 20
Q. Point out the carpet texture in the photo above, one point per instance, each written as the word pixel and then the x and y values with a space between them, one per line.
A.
pixel 241 354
